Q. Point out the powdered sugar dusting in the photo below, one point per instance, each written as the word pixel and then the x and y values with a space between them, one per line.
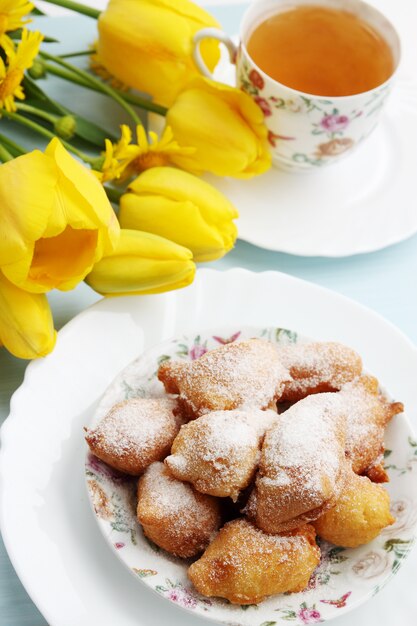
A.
pixel 135 425
pixel 318 366
pixel 170 495
pixel 245 374
pixel 219 451
pixel 305 443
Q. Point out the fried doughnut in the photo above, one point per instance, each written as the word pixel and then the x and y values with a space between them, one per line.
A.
pixel 360 514
pixel 245 374
pixel 173 515
pixel 218 452
pixel 303 466
pixel 134 433
pixel 245 565
pixel 369 413
pixel 317 367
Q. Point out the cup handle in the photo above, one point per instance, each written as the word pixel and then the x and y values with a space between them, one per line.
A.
pixel 211 33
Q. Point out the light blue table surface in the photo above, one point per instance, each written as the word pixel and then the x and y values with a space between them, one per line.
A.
pixel 385 281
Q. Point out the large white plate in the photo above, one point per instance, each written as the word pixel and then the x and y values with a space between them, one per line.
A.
pixel 46 521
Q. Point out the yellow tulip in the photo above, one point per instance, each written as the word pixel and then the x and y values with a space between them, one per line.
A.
pixel 26 325
pixel 55 220
pixel 142 264
pixel 177 205
pixel 224 125
pixel 147 44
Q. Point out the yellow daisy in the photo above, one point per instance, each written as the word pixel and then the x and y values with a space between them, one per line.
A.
pixel 126 159
pixel 12 13
pixel 11 75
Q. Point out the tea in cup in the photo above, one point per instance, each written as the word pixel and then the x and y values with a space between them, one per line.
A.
pixel 320 70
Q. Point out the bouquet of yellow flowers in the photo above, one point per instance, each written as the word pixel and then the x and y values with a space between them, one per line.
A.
pixel 58 220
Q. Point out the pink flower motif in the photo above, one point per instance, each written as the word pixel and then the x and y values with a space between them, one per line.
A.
pixel 256 79
pixel 182 597
pixel 334 123
pixel 197 351
pixel 264 105
pixel 309 616
pixel 119 545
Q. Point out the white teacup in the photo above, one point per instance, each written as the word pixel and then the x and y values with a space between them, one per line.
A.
pixel 306 131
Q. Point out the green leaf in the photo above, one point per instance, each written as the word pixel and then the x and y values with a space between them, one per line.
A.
pixel 86 130
pixel 91 132
pixel 387 453
pixel 268 623
pixel 412 442
pixel 37 97
pixel 36 11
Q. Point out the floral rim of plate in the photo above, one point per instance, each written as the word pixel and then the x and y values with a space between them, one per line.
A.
pixel 344 578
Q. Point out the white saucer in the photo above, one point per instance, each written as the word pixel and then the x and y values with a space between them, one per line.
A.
pixel 361 204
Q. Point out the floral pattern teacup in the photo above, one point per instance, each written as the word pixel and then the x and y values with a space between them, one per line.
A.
pixel 306 131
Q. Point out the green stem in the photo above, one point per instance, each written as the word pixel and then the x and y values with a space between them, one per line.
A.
pixel 94 81
pixel 81 53
pixel 12 146
pixel 44 115
pixel 76 6
pixel 5 154
pixel 66 75
pixel 142 103
pixel 24 121
pixel 113 195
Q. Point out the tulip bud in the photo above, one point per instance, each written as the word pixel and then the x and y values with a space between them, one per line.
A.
pixel 65 127
pixel 179 206
pixel 142 264
pixel 148 44
pixel 26 324
pixel 225 127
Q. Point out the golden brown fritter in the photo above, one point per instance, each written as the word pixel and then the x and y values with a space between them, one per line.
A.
pixel 245 565
pixel 218 453
pixel 369 412
pixel 360 514
pixel 135 433
pixel 317 367
pixel 246 374
pixel 173 514
pixel 303 466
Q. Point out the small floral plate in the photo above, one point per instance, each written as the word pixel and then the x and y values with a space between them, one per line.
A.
pixel 344 578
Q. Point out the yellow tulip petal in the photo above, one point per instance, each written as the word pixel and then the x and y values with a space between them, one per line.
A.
pixel 224 125
pixel 25 204
pixel 183 208
pixel 26 324
pixel 142 264
pixel 86 204
pixel 178 185
pixel 57 221
pixel 157 36
pixel 179 221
